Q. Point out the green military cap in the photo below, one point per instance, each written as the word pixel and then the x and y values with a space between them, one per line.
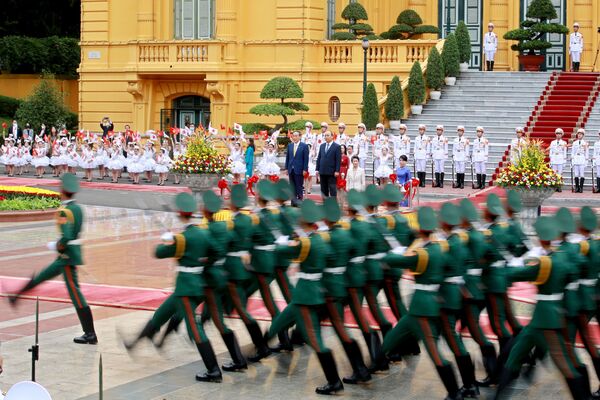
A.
pixel 494 205
pixel 565 220
pixel 331 209
pixel 70 183
pixel 355 199
pixel 373 196
pixel 239 197
pixel 427 219
pixel 391 194
pixel 185 202
pixel 266 190
pixel 468 210
pixel 211 201
pixel 546 228
pixel 588 219
pixel 450 214
pixel 310 212
pixel 513 200
pixel 284 190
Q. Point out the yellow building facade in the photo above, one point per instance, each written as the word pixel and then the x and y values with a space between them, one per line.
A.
pixel 159 63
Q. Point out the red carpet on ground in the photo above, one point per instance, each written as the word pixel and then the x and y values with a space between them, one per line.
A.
pixel 98 185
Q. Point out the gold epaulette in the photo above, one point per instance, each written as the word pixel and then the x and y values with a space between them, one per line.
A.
pixel 255 219
pixel 344 224
pixel 464 236
pixel 487 232
pixel 391 221
pixel 275 211
pixel 544 272
pixel 179 246
pixel 503 224
pixel 230 224
pixel 67 217
pixel 203 224
pixel 223 215
pixel 325 235
pixel 443 245
pixel 304 249
pixel 422 262
pixel 584 247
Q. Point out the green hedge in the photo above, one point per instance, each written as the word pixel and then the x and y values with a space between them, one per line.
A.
pixel 370 110
pixel 394 106
pixel 26 55
pixel 416 85
pixel 9 106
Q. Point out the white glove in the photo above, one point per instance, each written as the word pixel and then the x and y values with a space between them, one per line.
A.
pixel 282 240
pixel 516 262
pixel 399 250
pixel 51 246
pixel 167 237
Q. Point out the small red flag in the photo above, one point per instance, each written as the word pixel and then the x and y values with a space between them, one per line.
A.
pixel 229 131
pixel 222 127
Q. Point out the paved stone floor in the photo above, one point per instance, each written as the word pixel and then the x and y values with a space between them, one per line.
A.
pixel 118 252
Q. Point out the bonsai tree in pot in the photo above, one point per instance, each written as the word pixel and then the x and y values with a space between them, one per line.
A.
pixel 416 89
pixel 435 74
pixel 531 36
pixel 409 25
pixel 370 110
pixel 450 58
pixel 281 88
pixel 464 45
pixel 353 29
pixel 394 106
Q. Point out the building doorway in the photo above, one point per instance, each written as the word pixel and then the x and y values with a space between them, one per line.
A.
pixel 470 11
pixel 185 111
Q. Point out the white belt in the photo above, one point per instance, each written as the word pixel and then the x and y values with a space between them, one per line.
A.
pixel 241 253
pixel 74 242
pixel 498 264
pixel 377 256
pixel 358 260
pixel 572 286
pixel 219 262
pixel 549 297
pixel 427 288
pixel 310 277
pixel 336 270
pixel 268 247
pixel 588 282
pixel 190 270
pixel 475 271
pixel 458 280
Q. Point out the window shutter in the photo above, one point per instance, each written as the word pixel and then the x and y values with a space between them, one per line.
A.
pixel 187 29
pixel 204 19
pixel 177 13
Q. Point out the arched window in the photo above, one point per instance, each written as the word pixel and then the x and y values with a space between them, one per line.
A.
pixel 335 108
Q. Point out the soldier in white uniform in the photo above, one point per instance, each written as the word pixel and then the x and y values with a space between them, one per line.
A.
pixel 309 136
pixel 380 141
pixel 517 144
pixel 401 144
pixel 480 157
pixel 490 46
pixel 596 162
pixel 460 152
pixel 342 138
pixel 361 144
pixel 422 150
pixel 579 158
pixel 439 154
pixel 575 47
pixel 558 153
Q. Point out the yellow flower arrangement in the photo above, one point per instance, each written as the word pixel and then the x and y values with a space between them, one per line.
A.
pixel 27 191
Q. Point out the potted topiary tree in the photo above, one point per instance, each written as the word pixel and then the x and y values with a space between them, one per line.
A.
pixel 416 89
pixel 408 25
pixel 450 58
pixel 435 74
pixel 281 88
pixel 394 106
pixel 531 36
pixel 464 45
pixel 353 29
pixel 370 110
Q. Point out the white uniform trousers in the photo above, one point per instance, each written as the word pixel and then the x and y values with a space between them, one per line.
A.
pixel 438 165
pixel 579 171
pixel 421 165
pixel 489 55
pixel 558 168
pixel 479 167
pixel 459 167
pixel 576 56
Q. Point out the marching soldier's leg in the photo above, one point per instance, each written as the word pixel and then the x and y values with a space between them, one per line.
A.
pixel 562 355
pixel 525 342
pixel 283 281
pixel 167 311
pixel 471 311
pixel 497 316
pixel 267 296
pixel 391 288
pixel 513 322
pixel 83 310
pixel 463 358
pixel 371 291
pixel 51 271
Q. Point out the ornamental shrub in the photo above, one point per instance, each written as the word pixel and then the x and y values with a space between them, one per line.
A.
pixel 45 105
pixel 416 85
pixel 370 110
pixel 353 29
pixel 408 25
pixel 282 88
pixel 450 57
pixel 435 70
pixel 464 42
pixel 394 106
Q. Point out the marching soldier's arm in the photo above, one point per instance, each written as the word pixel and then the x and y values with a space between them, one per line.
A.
pixel 297 249
pixel 171 249
pixel 528 273
pixel 67 228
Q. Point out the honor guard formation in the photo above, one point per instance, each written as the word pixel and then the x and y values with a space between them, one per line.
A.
pixel 462 259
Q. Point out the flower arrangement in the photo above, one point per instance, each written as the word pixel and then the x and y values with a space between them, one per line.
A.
pixel 201 157
pixel 21 198
pixel 530 171
pixel 10 191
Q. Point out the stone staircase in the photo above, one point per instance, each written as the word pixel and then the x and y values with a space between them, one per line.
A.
pixel 498 101
pixel 592 127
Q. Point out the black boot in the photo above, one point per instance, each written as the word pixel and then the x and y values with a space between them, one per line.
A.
pixel 378 359
pixel 577 388
pixel 262 350
pixel 12 299
pixel 441 184
pixel 334 384
pixel 491 65
pixel 284 342
pixel 423 179
pixel 487 66
pixel 148 332
pixel 173 326
pixel 596 361
pixel 447 375
pixel 585 381
pixel 396 356
pixel 467 373
pixel 597 185
pixel 213 373
pixel 483 182
pixel 488 352
pixel 360 373
pixel 87 323
pixel 297 338
pixel 576 185
pixel 581 182
pixel 478 184
pixel 238 362
pixel 437 180
pixel 506 378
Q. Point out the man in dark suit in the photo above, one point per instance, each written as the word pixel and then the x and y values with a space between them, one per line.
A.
pixel 296 163
pixel 328 165
pixel 16 131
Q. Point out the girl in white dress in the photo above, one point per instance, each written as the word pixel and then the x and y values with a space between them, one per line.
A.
pixel 148 160
pixel 267 166
pixel 10 152
pixel 236 157
pixel 19 158
pixel 136 164
pixel 73 158
pixel 40 161
pixel 115 165
pixel 384 170
pixel 88 160
pixel 63 158
pixel 163 165
pixel 312 168
pixel 27 156
pixel 102 159
pixel 54 158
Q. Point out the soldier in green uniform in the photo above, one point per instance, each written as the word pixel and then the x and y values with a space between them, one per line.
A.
pixel 451 295
pixel 426 261
pixel 473 294
pixel 547 325
pixel 310 252
pixel 69 218
pixel 191 249
pixel 285 217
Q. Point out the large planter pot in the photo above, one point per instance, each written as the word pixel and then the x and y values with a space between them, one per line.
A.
pixel 416 109
pixel 450 80
pixel 532 200
pixel 395 125
pixel 435 94
pixel 199 183
pixel 27 216
pixel 531 62
pixel 464 67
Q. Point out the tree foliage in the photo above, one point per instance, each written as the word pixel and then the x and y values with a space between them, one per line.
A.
pixel 464 42
pixel 353 29
pixel 370 110
pixel 45 106
pixel 28 55
pixel 409 25
pixel 435 70
pixel 282 88
pixel 416 85
pixel 394 106
pixel 531 36
pixel 450 56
